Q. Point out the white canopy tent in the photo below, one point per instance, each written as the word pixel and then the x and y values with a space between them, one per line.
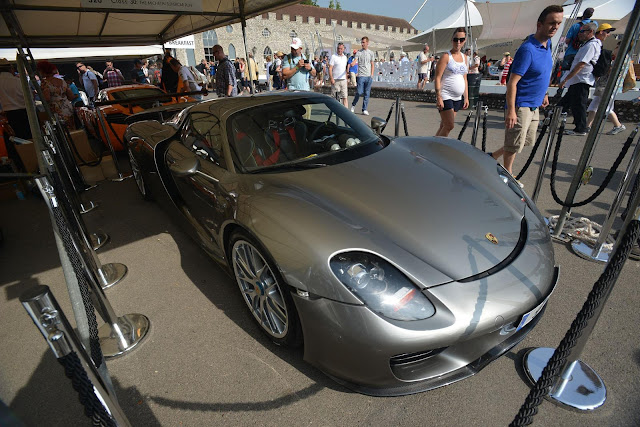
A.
pixel 440 35
pixel 502 26
pixel 68 23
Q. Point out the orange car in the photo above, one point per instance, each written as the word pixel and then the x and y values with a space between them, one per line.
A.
pixel 116 115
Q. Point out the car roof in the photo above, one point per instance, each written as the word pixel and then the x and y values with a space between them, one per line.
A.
pixel 231 105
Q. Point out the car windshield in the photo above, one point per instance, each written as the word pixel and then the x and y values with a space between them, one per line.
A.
pixel 124 95
pixel 318 131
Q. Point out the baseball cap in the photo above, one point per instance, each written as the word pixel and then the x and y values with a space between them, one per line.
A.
pixel 605 27
pixel 296 43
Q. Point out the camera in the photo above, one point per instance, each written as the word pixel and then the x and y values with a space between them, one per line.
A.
pixel 306 61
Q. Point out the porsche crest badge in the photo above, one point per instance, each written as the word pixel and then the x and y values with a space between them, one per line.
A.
pixel 490 237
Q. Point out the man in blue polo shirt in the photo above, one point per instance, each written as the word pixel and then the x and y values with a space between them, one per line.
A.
pixel 527 86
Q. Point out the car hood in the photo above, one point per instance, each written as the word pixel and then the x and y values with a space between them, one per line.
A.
pixel 433 197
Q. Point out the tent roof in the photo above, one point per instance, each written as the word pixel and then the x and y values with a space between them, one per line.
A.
pixel 66 23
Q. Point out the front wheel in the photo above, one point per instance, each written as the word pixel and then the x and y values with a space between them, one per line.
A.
pixel 264 291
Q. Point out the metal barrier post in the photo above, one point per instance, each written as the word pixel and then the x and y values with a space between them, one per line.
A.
pixel 579 386
pixel 109 274
pixel 476 123
pixel 397 129
pixel 47 315
pixel 58 148
pixel 103 126
pixel 119 334
pixel 597 253
pixel 630 37
pixel 553 129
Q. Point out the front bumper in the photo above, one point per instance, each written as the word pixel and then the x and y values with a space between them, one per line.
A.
pixel 376 357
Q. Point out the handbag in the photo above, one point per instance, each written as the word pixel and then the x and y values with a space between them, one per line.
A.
pixel 629 79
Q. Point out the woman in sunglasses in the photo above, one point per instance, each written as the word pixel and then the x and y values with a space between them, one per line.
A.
pixel 451 83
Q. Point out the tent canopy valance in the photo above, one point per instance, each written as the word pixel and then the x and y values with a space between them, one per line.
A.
pixel 78 23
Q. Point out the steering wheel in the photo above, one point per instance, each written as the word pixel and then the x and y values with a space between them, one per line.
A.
pixel 329 126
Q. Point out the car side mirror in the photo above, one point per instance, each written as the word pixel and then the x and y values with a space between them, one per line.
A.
pixel 377 124
pixel 185 167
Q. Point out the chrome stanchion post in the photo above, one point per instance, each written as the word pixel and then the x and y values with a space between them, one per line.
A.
pixel 553 129
pixel 109 274
pixel 579 386
pixel 397 128
pixel 597 253
pixel 119 334
pixel 46 313
pixel 74 192
pixel 476 123
pixel 103 126
pixel 630 37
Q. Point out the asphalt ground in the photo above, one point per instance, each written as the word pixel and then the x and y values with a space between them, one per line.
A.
pixel 205 361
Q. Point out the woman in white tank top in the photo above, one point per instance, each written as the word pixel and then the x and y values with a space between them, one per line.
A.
pixel 451 83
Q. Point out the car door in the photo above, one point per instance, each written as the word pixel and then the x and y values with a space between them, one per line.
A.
pixel 206 203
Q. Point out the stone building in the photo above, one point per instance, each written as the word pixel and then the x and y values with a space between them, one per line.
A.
pixel 317 27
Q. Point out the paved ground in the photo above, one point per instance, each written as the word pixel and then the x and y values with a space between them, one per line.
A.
pixel 205 362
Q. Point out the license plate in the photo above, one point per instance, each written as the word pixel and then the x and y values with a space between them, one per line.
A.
pixel 528 317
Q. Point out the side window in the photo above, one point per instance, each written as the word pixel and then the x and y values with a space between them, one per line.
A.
pixel 202 134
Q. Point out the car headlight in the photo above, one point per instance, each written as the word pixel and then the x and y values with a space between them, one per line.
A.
pixel 381 287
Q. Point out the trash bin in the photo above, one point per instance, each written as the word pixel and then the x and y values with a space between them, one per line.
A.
pixel 473 81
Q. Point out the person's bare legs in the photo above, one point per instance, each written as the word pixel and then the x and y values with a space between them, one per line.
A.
pixel 345 103
pixel 447 122
pixel 508 161
pixel 613 117
pixel 498 153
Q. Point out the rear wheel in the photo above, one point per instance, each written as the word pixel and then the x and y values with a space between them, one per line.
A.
pixel 139 178
pixel 264 291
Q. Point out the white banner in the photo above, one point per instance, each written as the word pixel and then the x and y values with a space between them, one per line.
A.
pixel 142 5
pixel 186 42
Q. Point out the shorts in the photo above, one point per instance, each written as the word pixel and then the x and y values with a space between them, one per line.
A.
pixel 595 102
pixel 340 87
pixel 423 76
pixel 450 104
pixel 524 132
pixel 352 79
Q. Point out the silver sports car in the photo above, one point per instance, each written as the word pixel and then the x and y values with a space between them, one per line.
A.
pixel 400 264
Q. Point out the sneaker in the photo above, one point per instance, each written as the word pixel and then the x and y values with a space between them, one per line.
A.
pixel 365 112
pixel 353 109
pixel 574 133
pixel 616 130
pixel 521 185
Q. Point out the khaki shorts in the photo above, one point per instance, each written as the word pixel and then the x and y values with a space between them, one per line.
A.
pixel 352 79
pixel 524 132
pixel 340 87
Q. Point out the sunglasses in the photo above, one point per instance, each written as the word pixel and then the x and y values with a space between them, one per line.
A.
pixel 585 31
pixel 459 40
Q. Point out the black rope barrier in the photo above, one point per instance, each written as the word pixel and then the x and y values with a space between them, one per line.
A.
pixel 534 150
pixel 464 126
pixel 388 118
pixel 404 120
pixel 484 131
pixel 604 184
pixel 596 297
pixel 93 408
pixel 74 259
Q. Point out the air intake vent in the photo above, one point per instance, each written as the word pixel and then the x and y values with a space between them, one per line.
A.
pixel 407 358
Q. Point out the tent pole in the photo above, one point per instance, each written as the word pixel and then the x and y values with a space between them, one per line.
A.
pixel 617 69
pixel 243 23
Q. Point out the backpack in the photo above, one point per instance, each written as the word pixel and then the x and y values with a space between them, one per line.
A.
pixel 603 65
pixel 273 68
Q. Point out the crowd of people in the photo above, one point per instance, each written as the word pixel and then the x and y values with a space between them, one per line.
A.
pixel 526 75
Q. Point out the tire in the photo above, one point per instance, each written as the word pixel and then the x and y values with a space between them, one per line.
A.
pixel 264 290
pixel 138 176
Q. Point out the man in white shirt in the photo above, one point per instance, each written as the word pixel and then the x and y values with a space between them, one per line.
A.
pixel 580 78
pixel 338 74
pixel 424 67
